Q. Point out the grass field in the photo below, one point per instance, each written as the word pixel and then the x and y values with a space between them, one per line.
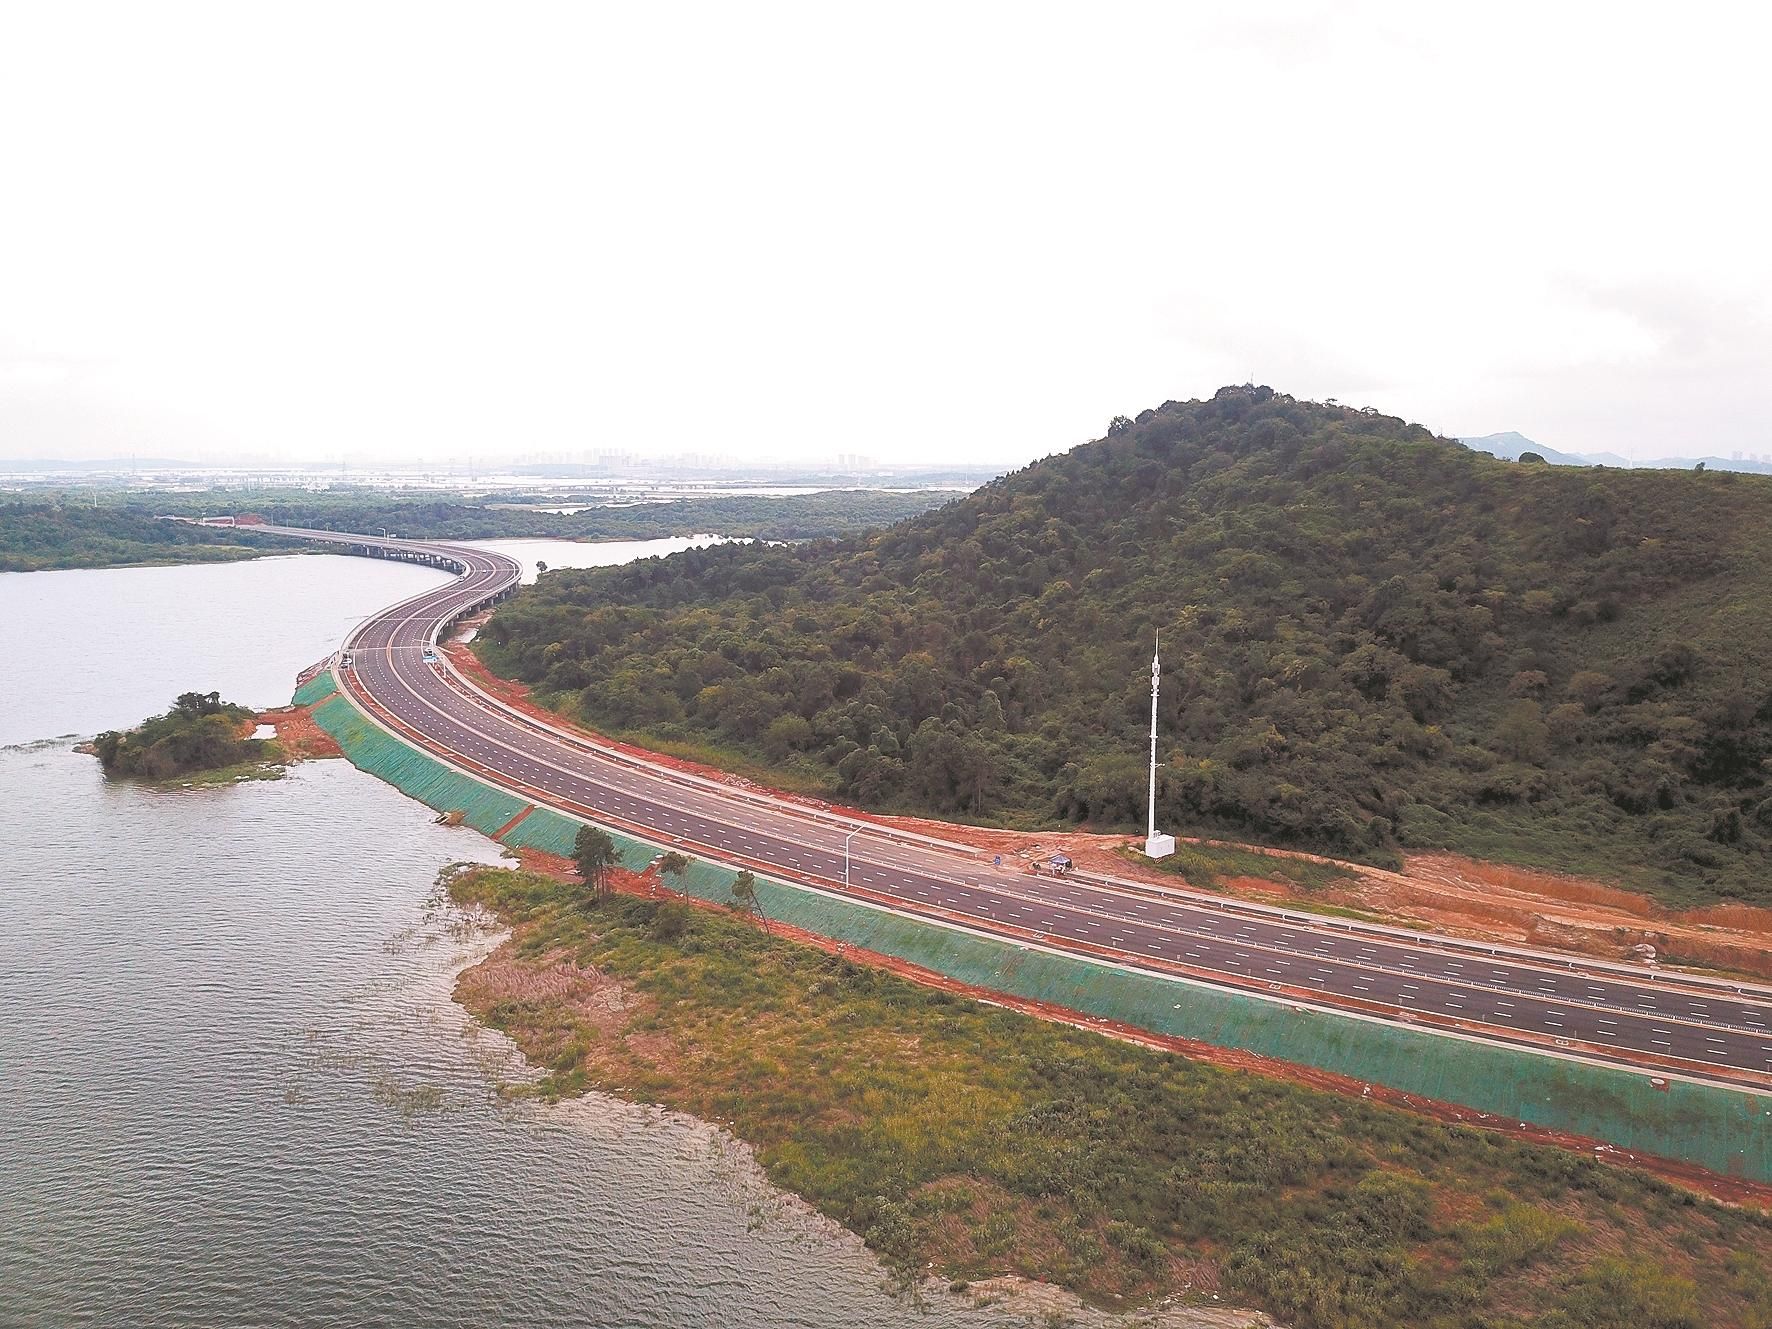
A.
pixel 983 1141
pixel 1210 865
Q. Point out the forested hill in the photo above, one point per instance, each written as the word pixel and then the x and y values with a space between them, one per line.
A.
pixel 59 531
pixel 1372 638
pixel 41 535
pixel 826 513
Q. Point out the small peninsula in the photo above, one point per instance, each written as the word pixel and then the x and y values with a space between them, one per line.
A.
pixel 200 735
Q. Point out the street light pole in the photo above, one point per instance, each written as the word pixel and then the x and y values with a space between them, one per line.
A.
pixel 846 840
pixel 1155 846
pixel 1156 673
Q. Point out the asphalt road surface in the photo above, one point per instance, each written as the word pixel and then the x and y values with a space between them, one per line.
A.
pixel 1573 1006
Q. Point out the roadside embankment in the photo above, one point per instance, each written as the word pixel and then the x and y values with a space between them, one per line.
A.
pixel 984 1142
pixel 1635 1112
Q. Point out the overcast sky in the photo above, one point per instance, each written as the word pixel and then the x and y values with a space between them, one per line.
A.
pixel 913 231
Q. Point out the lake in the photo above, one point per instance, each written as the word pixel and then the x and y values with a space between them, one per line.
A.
pixel 587 553
pixel 233 1088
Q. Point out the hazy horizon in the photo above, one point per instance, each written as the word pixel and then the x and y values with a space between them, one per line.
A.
pixel 667 462
pixel 365 235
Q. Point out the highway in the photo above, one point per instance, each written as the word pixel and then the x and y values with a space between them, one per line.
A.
pixel 1706 1029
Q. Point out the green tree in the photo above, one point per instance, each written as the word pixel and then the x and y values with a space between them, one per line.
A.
pixel 200 732
pixel 1590 688
pixel 1528 683
pixel 673 921
pixel 593 853
pixel 673 864
pixel 1522 734
pixel 744 896
pixel 785 734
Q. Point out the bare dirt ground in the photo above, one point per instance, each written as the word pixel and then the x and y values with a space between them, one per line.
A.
pixel 1453 895
pixel 1044 1303
pixel 587 994
pixel 300 737
pixel 1568 913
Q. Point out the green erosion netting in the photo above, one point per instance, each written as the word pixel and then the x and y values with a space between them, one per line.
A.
pixel 554 832
pixel 486 809
pixel 1726 1130
pixel 317 688
pixel 412 772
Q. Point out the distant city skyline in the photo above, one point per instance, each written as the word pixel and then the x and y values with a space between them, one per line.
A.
pixel 606 461
pixel 407 232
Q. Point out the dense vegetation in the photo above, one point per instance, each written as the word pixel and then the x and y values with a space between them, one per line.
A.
pixel 40 535
pixel 986 1141
pixel 1372 638
pixel 457 517
pixel 200 733
pixel 126 528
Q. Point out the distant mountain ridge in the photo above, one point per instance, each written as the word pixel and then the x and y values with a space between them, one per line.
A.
pixel 1509 445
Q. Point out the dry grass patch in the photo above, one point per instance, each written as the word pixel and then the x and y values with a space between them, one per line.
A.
pixel 985 1142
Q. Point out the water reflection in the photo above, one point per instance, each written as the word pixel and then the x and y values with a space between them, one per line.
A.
pixel 233 1089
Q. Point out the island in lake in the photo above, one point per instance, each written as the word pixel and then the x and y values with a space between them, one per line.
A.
pixel 201 734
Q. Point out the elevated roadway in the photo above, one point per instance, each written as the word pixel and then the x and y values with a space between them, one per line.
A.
pixel 1677 1024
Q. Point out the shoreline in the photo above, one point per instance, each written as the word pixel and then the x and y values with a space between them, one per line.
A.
pixel 296 738
pixel 1704 1181
pixel 299 736
pixel 486 942
pixel 593 1014
pixel 160 562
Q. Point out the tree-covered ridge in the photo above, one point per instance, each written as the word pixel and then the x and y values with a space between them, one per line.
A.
pixel 36 536
pixel 458 517
pixel 200 733
pixel 1372 638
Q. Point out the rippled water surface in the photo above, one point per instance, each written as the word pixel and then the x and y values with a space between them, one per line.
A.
pixel 588 553
pixel 233 1089
pixel 101 649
